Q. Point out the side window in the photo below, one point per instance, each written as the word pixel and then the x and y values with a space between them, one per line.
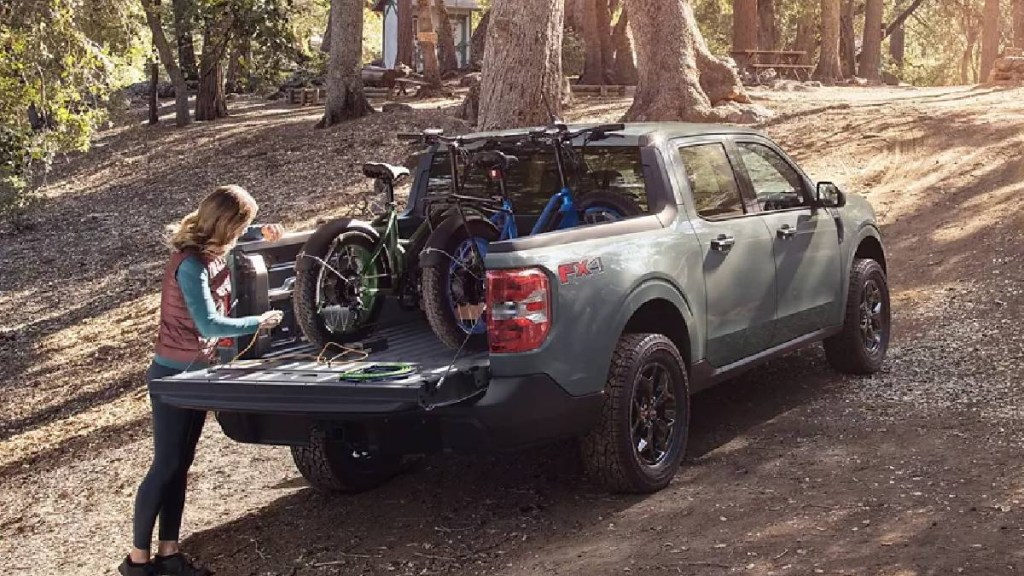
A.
pixel 776 184
pixel 715 193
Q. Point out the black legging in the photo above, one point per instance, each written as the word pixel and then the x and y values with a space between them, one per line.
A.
pixel 162 493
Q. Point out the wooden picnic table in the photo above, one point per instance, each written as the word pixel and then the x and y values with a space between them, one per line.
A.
pixel 780 60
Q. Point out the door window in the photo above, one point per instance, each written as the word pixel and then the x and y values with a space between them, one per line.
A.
pixel 712 182
pixel 777 185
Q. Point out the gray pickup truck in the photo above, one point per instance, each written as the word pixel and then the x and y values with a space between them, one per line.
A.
pixel 600 332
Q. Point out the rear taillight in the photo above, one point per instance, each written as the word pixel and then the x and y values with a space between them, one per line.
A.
pixel 518 309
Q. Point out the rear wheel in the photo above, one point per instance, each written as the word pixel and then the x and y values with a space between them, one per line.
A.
pixel 860 348
pixel 337 297
pixel 606 206
pixel 639 443
pixel 331 466
pixel 455 289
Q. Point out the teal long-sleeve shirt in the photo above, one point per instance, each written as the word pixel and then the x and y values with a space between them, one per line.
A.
pixel 194 281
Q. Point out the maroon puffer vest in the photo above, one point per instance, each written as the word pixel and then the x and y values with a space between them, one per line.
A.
pixel 178 339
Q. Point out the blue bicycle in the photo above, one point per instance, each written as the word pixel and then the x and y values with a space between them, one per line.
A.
pixel 453 281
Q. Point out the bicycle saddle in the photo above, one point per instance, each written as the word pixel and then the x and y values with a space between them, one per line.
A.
pixel 386 172
pixel 494 159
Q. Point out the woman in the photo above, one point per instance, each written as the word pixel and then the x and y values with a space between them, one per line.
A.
pixel 194 303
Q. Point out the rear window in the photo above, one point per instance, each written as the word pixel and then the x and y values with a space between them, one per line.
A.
pixel 534 179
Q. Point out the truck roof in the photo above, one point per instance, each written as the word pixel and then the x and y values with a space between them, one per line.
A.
pixel 637 133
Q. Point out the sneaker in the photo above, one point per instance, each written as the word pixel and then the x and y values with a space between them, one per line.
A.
pixel 177 565
pixel 129 568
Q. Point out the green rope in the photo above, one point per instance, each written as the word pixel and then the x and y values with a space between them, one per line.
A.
pixel 377 371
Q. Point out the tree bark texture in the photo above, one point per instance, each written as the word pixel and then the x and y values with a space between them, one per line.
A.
pixel 574 14
pixel 522 74
pixel 744 27
pixel 806 39
pixel 446 40
pixel 238 79
pixel 428 48
pixel 679 78
pixel 406 33
pixel 828 70
pixel 154 85
pixel 478 43
pixel 897 46
pixel 211 102
pixel 597 40
pixel 767 26
pixel 989 38
pixel 184 18
pixel 163 47
pixel 871 51
pixel 847 40
pixel 624 69
pixel 1018 23
pixel 345 96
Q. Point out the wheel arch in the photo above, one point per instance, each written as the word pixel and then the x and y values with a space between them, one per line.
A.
pixel 658 306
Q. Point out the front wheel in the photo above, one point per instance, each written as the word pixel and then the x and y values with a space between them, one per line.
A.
pixel 639 442
pixel 455 289
pixel 861 346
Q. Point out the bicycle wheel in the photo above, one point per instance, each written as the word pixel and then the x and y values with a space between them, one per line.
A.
pixel 337 297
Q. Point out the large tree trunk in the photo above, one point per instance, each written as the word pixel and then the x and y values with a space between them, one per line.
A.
pixel 624 70
pixel 522 75
pixel 1018 23
pixel 345 96
pixel 898 46
pixel 847 40
pixel 744 28
pixel 596 38
pixel 679 78
pixel 989 38
pixel 478 43
pixel 238 79
pixel 574 10
pixel 184 18
pixel 163 48
pixel 211 102
pixel 406 33
pixel 871 52
pixel 806 39
pixel 767 27
pixel 427 39
pixel 446 40
pixel 967 59
pixel 828 70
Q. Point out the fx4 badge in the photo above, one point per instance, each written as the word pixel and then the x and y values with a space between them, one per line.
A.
pixel 579 269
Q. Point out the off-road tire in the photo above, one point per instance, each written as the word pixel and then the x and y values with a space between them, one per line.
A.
pixel 847 351
pixel 434 289
pixel 304 293
pixel 329 466
pixel 608 451
pixel 621 203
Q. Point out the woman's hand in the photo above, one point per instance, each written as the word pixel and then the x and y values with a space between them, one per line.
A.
pixel 270 318
pixel 272 232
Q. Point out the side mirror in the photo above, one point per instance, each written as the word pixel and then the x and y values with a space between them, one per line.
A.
pixel 830 196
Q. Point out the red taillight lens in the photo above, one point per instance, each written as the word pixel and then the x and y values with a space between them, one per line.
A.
pixel 518 310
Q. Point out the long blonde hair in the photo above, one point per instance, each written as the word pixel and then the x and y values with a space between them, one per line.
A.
pixel 214 228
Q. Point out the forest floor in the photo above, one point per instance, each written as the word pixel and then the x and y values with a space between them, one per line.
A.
pixel 791 469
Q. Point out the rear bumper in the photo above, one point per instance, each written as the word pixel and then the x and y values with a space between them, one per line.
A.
pixel 512 413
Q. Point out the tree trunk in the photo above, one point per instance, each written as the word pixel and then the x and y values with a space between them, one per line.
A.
pixel 679 78
pixel 184 19
pixel 989 38
pixel 806 39
pixel 522 76
pixel 345 97
pixel 237 80
pixel 871 52
pixel 478 43
pixel 406 33
pixel 574 10
pixel 596 39
pixel 767 28
pixel 828 70
pixel 211 102
pixel 1018 23
pixel 154 85
pixel 163 47
pixel 897 47
pixel 744 28
pixel 624 70
pixel 446 40
pixel 847 40
pixel 427 39
pixel 967 60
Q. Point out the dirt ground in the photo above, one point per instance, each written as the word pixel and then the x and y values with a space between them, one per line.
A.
pixel 791 469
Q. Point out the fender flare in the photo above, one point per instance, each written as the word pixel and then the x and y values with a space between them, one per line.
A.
pixel 656 288
pixel 432 252
pixel 328 231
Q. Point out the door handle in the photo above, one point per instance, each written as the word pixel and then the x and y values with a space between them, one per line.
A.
pixel 723 243
pixel 786 232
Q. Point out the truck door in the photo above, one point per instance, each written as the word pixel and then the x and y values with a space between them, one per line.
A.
pixel 805 242
pixel 739 271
